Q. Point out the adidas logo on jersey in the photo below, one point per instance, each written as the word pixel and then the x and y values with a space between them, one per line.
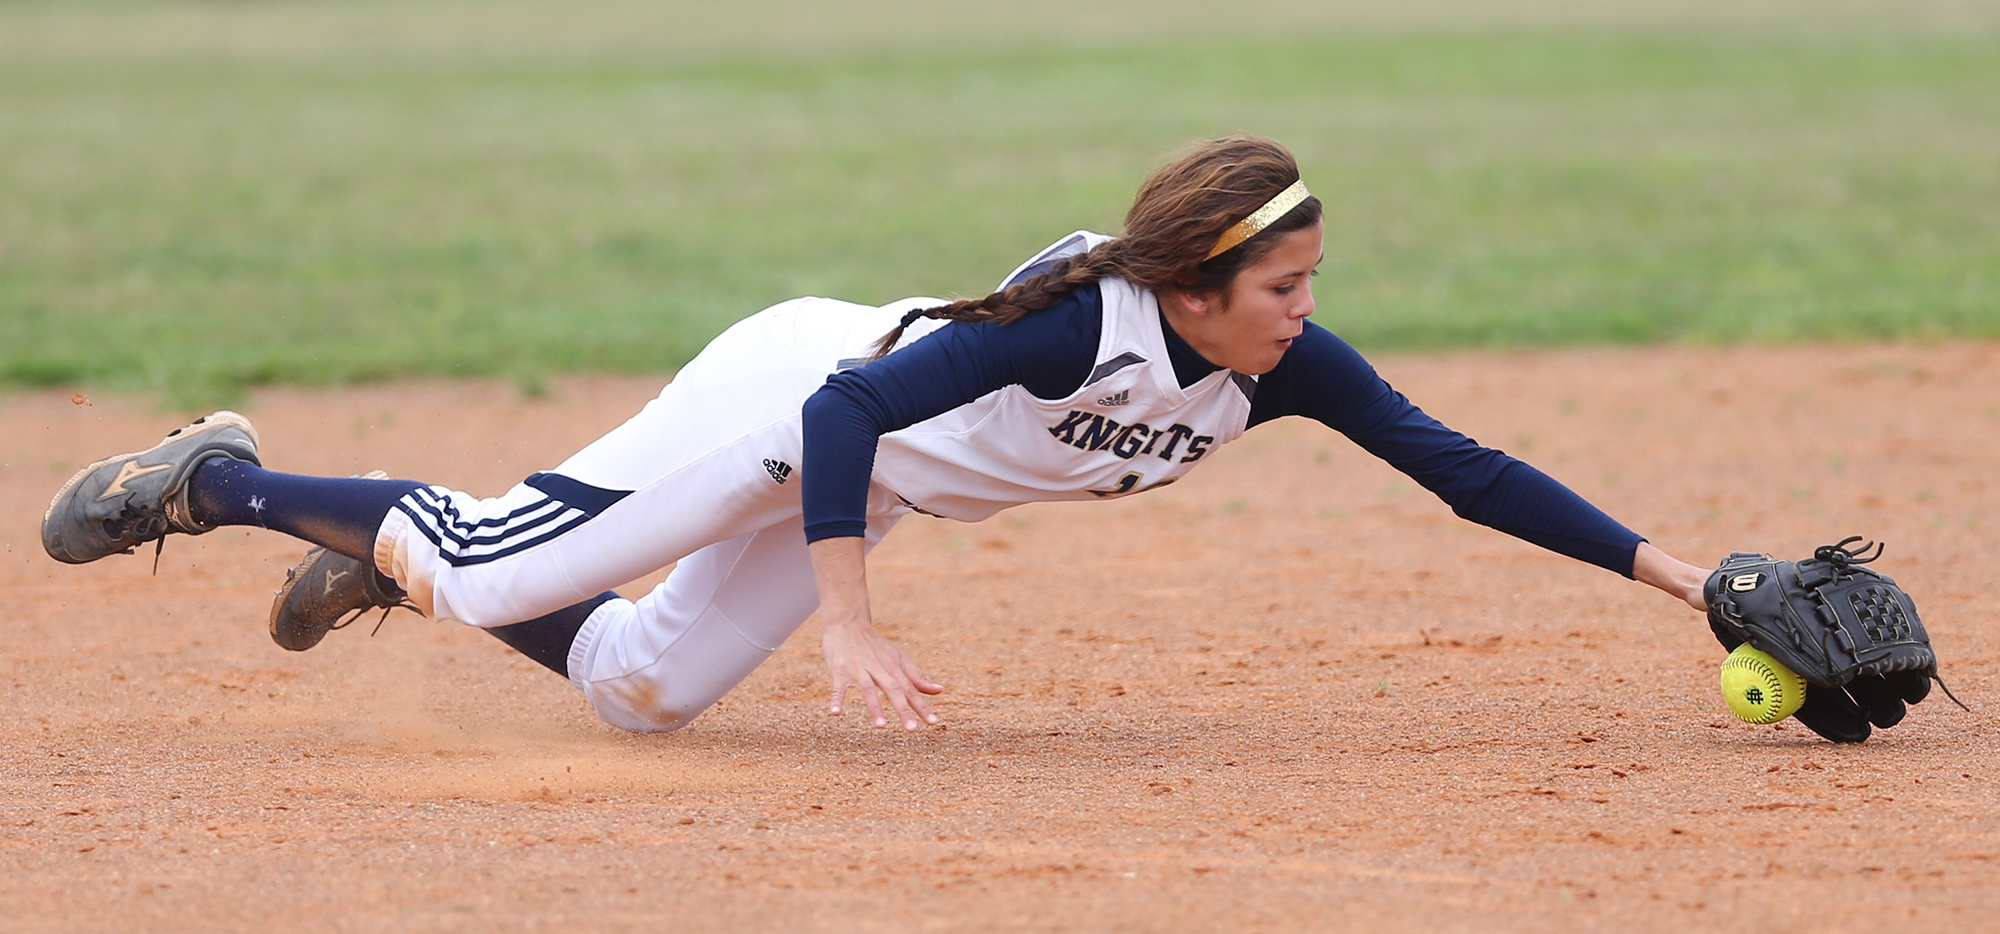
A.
pixel 1120 397
pixel 779 470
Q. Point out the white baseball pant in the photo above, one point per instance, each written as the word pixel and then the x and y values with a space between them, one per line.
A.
pixel 705 475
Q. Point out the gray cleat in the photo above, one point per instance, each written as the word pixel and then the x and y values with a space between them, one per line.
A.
pixel 122 502
pixel 325 591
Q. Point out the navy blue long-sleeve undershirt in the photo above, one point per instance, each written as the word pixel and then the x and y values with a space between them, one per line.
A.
pixel 1050 353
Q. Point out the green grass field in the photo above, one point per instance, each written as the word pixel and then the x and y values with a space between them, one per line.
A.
pixel 195 197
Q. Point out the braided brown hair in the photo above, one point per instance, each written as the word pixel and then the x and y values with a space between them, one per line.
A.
pixel 1176 219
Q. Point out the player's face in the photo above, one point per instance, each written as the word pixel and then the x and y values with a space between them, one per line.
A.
pixel 1267 307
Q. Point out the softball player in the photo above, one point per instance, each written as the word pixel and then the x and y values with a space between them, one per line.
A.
pixel 780 455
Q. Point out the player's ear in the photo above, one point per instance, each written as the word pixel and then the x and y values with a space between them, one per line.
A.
pixel 1198 302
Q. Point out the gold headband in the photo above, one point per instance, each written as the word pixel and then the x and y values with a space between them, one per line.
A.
pixel 1261 218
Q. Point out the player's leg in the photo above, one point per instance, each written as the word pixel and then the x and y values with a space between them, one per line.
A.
pixel 529 566
pixel 535 553
pixel 206 475
pixel 654 664
pixel 203 476
pixel 706 461
pixel 339 513
pixel 756 372
pixel 714 457
pixel 560 538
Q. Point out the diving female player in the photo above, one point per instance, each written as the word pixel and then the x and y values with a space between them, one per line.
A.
pixel 772 463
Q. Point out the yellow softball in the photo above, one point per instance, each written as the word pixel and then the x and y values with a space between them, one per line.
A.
pixel 1758 688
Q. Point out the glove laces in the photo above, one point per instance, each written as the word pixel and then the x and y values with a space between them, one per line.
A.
pixel 1841 556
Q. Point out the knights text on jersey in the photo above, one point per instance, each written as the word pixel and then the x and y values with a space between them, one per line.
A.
pixel 1130 427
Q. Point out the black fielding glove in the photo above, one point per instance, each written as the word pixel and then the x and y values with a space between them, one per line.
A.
pixel 1848 630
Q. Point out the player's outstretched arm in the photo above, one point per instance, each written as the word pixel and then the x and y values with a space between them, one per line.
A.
pixel 857 655
pixel 1652 566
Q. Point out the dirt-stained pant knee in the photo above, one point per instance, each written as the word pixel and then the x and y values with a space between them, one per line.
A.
pixel 655 664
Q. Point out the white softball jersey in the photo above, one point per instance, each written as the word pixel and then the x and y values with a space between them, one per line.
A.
pixel 1130 427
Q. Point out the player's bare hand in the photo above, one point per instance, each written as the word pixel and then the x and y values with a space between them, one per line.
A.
pixel 859 657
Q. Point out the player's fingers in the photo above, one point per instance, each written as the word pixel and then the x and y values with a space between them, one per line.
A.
pixel 916 676
pixel 870 691
pixel 899 698
pixel 835 703
pixel 923 709
pixel 844 683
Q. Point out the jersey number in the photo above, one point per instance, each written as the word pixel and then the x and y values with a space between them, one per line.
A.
pixel 1129 484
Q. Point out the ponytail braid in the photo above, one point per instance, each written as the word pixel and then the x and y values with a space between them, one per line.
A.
pixel 1009 304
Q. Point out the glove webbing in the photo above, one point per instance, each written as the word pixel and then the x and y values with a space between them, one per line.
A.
pixel 1838 557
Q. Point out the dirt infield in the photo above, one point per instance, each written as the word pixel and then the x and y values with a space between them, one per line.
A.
pixel 1291 692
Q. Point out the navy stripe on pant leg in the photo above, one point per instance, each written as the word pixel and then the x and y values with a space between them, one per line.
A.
pixel 569 503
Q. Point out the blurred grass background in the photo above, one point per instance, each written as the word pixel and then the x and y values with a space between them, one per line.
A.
pixel 195 197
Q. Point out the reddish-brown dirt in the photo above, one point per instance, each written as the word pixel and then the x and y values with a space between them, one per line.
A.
pixel 1291 692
